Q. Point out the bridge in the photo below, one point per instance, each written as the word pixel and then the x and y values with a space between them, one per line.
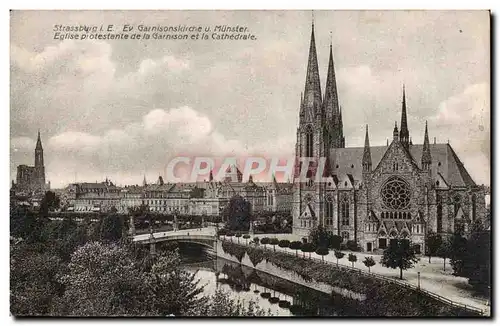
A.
pixel 203 236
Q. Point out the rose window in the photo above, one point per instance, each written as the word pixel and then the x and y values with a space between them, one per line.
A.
pixel 396 194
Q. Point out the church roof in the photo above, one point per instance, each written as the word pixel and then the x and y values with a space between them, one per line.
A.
pixel 444 160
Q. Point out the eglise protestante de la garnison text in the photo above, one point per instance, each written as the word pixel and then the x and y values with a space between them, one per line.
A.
pixel 371 194
pixel 376 193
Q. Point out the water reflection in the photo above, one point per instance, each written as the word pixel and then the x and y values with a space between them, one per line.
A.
pixel 281 297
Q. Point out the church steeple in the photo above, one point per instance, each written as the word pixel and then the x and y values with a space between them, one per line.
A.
pixel 331 106
pixel 404 134
pixel 312 91
pixel 38 152
pixel 395 132
pixel 144 183
pixel 426 151
pixel 367 156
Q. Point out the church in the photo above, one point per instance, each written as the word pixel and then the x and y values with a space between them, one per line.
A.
pixel 372 194
pixel 31 179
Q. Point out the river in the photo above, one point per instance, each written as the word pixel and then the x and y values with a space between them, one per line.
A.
pixel 280 297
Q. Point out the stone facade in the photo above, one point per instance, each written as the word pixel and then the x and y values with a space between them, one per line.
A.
pixel 31 179
pixel 371 194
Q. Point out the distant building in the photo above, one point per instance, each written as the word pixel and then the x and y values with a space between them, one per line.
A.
pixel 31 179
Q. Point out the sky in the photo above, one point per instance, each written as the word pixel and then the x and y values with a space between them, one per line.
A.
pixel 123 109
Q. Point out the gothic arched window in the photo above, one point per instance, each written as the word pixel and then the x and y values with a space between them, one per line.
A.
pixel 439 218
pixel 456 204
pixel 309 142
pixel 345 211
pixel 329 207
pixel 473 207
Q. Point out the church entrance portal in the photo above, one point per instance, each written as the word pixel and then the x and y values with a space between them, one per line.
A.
pixel 382 243
pixel 369 246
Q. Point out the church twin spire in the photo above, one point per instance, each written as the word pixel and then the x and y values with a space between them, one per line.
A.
pixel 314 106
pixel 404 134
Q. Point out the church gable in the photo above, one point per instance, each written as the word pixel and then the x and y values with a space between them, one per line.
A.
pixel 308 212
pixel 396 159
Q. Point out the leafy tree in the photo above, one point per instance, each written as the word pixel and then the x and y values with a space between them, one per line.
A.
pixel 477 263
pixel 444 251
pixel 433 242
pixel 322 251
pixel 112 227
pixel 320 237
pixel 274 242
pixel 352 258
pixel 246 237
pixel 256 240
pixel 265 241
pixel 34 283
pixel 369 262
pixel 339 255
pixel 49 202
pixel 400 255
pixel 296 245
pixel 221 304
pixel 458 253
pixel 237 214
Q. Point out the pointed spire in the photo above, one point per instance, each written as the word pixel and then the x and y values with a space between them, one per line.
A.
pixel 312 92
pixel 395 133
pixel 426 151
pixel 367 156
pixel 144 183
pixel 211 177
pixel 331 104
pixel 404 133
pixel 39 141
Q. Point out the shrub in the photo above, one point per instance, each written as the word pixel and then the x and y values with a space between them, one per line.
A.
pixel 296 245
pixel 339 255
pixel 284 244
pixel 256 240
pixel 265 241
pixel 274 242
pixel 352 245
pixel 352 258
pixel 369 262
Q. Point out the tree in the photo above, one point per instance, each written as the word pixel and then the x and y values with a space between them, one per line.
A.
pixel 265 241
pixel 433 243
pixel 238 236
pixel 296 245
pixel 369 262
pixel 352 258
pixel 444 251
pixel 237 214
pixel 322 251
pixel 320 237
pixel 400 255
pixel 477 263
pixel 458 253
pixel 256 240
pixel 221 304
pixel 274 242
pixel 49 202
pixel 339 255
pixel 112 227
pixel 246 237
pixel 335 241
pixel 308 247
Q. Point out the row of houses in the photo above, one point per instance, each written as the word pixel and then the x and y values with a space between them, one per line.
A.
pixel 201 198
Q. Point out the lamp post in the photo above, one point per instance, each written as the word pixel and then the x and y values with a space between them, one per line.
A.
pixel 418 277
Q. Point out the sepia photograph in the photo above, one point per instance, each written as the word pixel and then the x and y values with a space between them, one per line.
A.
pixel 250 163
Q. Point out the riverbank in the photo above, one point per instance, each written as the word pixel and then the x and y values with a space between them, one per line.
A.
pixel 379 298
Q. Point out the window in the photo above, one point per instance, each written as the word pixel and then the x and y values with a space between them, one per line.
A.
pixel 309 142
pixel 344 235
pixel 439 218
pixel 396 194
pixel 473 207
pixel 456 205
pixel 329 207
pixel 345 211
